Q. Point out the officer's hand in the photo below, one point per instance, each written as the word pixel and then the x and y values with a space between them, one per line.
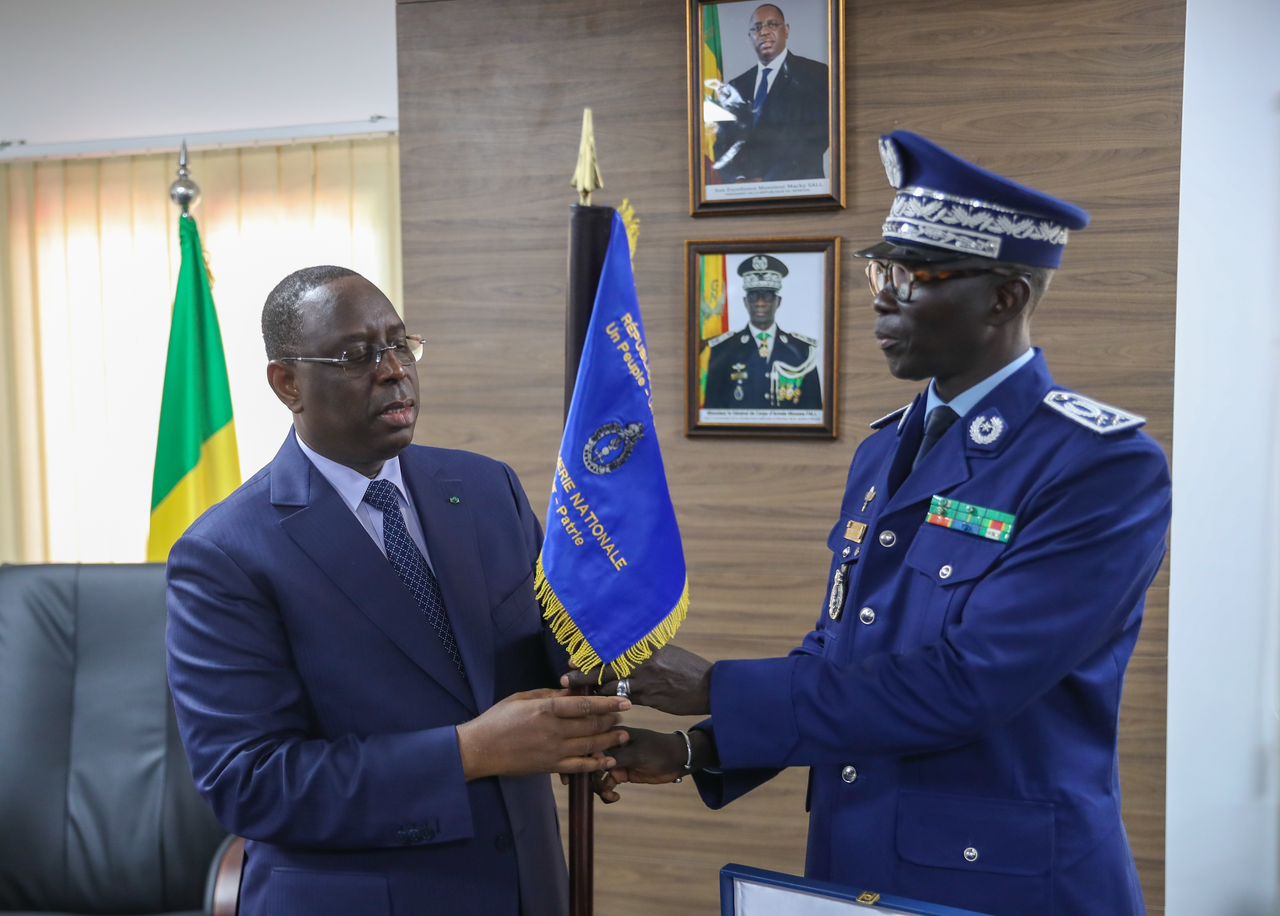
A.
pixel 649 757
pixel 542 731
pixel 673 681
pixel 603 784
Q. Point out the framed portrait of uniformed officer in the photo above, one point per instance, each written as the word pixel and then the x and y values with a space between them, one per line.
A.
pixel 766 110
pixel 762 348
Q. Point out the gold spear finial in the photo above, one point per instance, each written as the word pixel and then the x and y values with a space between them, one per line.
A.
pixel 587 177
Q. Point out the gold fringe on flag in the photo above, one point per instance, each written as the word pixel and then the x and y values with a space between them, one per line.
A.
pixel 581 654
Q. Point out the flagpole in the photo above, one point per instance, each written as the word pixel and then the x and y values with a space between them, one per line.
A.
pixel 589 229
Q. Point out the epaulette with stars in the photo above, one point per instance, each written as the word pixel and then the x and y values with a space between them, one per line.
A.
pixel 1091 414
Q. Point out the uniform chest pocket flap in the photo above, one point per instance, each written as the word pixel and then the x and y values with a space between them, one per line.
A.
pixel 1008 837
pixel 841 540
pixel 952 557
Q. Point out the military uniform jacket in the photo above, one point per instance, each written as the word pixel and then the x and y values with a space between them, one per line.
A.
pixel 739 377
pixel 959 715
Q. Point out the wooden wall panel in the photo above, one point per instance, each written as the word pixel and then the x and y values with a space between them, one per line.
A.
pixel 1082 100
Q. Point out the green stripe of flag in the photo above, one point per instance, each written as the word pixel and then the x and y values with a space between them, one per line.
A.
pixel 197 396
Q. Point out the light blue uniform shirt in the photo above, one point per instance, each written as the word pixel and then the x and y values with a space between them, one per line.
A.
pixel 966 400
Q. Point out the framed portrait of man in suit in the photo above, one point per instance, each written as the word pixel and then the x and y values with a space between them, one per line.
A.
pixel 762 345
pixel 766 105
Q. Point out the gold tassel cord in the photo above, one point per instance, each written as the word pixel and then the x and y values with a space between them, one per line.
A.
pixel 583 656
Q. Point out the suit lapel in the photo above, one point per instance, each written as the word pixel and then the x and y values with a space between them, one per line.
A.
pixel 450 531
pixel 326 530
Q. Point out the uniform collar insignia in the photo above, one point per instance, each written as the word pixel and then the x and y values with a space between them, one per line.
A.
pixel 986 428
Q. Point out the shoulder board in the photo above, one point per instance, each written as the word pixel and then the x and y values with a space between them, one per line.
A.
pixel 1091 414
pixel 802 338
pixel 889 417
pixel 721 339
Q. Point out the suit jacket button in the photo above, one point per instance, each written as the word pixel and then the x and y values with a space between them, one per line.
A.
pixel 849 773
pixel 970 854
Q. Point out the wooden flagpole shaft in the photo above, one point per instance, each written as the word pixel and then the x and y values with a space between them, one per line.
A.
pixel 589 229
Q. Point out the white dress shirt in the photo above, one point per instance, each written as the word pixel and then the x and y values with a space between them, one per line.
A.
pixel 351 486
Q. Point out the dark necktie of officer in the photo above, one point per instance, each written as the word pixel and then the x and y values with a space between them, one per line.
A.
pixel 757 104
pixel 937 423
pixel 410 566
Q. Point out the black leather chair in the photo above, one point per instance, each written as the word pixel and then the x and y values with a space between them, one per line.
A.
pixel 98 813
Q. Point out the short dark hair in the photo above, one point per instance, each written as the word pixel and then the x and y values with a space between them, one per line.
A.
pixel 282 312
pixel 774 5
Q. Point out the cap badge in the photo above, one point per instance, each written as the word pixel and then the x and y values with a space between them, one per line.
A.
pixel 892 163
pixel 985 430
pixel 759 262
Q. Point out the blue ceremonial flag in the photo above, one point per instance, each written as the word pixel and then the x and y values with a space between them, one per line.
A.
pixel 611 577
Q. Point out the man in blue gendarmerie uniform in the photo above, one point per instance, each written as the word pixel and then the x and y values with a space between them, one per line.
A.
pixel 958 700
pixel 762 366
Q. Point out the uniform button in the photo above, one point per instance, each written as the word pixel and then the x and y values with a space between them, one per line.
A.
pixel 867 616
pixel 888 539
pixel 945 572
pixel 846 551
pixel 849 773
pixel 970 854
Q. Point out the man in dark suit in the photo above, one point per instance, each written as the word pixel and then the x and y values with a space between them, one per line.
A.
pixel 763 366
pixel 782 128
pixel 356 652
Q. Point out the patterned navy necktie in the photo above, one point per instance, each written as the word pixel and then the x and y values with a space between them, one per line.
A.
pixel 410 566
pixel 757 104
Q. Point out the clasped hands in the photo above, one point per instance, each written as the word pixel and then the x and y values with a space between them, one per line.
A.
pixel 673 681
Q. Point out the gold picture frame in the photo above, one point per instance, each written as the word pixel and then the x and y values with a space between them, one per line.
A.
pixel 763 337
pixel 780 149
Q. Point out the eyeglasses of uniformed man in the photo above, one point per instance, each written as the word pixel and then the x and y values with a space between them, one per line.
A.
pixel 902 279
pixel 360 359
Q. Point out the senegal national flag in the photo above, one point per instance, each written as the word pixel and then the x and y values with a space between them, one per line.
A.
pixel 713 312
pixel 712 69
pixel 196 459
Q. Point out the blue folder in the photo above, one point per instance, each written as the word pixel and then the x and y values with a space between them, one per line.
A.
pixel 746 891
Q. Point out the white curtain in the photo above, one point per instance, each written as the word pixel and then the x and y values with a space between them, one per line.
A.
pixel 88 263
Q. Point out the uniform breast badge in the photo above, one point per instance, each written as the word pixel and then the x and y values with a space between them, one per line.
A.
pixel 738 375
pixel 970 519
pixel 855 531
pixel 835 603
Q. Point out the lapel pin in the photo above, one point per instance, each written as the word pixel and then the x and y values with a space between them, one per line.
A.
pixel 866 500
pixel 455 499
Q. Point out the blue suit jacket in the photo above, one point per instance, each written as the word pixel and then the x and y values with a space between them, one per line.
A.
pixel 318 708
pixel 960 716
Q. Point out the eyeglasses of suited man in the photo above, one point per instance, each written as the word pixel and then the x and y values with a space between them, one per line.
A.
pixel 769 25
pixel 902 279
pixel 362 358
